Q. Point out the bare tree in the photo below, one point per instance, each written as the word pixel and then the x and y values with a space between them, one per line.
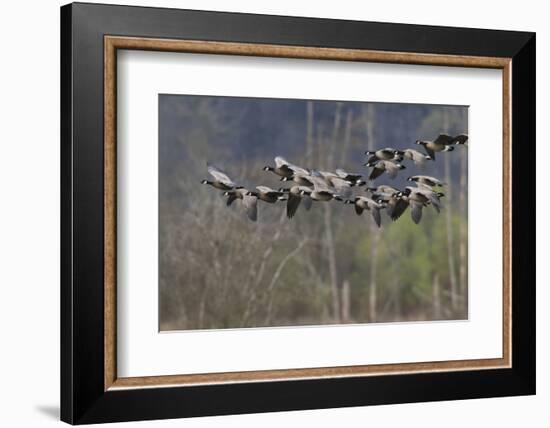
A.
pixel 449 224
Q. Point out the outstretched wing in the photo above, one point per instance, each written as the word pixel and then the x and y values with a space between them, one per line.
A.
pixel 416 211
pixel 375 173
pixel 280 161
pixel 292 204
pixel 343 188
pixel 347 175
pixel 251 204
pixel 230 198
pixel 399 209
pixel 376 216
pixel 219 175
pixel 391 169
pixel 307 202
pixel 430 153
pixel 268 191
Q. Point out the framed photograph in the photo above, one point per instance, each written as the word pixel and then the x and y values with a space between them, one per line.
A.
pixel 266 213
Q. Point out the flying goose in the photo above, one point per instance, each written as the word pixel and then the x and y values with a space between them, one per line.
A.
pixel 414 155
pixel 342 186
pixel 426 180
pixel 443 143
pixel 321 192
pixel 353 178
pixel 300 178
pixel 394 202
pixel 383 188
pixel 221 180
pixel 434 198
pixel 284 168
pixel 295 195
pixel 383 165
pixel 381 154
pixel 267 194
pixel 250 201
pixel 416 200
pixel 362 203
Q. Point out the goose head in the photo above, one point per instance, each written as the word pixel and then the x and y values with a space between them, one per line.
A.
pixel 204 181
pixel 419 142
pixel 410 179
pixel 267 168
pixel 369 152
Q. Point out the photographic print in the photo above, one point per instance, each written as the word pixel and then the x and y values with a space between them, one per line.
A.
pixel 290 212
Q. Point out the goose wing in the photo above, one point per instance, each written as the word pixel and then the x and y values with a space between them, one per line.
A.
pixel 372 159
pixel 343 188
pixel 219 175
pixel 292 204
pixel 399 208
pixel 268 190
pixel 251 204
pixel 231 198
pixel 347 175
pixel 423 186
pixel 416 156
pixel 416 211
pixel 307 202
pixel 375 212
pixel 377 171
pixel 391 168
pixel 430 152
pixel 319 183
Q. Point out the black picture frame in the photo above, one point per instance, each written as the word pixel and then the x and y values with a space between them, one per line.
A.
pixel 83 398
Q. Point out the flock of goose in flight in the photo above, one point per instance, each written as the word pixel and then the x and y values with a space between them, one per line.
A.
pixel 310 185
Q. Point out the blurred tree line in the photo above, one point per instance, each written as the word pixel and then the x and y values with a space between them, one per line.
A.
pixel 328 265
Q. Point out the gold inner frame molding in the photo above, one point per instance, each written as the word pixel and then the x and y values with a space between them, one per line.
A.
pixel 113 43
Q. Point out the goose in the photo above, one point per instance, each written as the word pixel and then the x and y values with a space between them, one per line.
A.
pixel 426 180
pixel 414 155
pixel 267 194
pixel 321 192
pixel 395 203
pixel 434 198
pixel 283 168
pixel 390 167
pixel 301 179
pixel 353 178
pixel 342 186
pixel 416 200
pixel 362 203
pixel 443 143
pixel 250 201
pixel 383 188
pixel 295 196
pixel 221 180
pixel 381 154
